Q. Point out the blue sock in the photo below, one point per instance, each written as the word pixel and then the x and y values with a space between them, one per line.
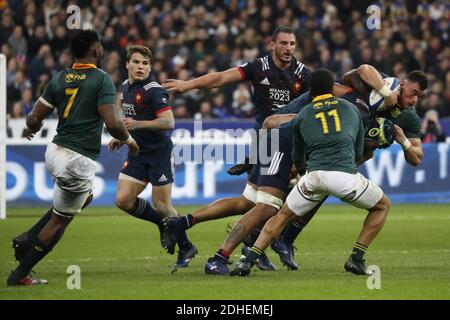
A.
pixel 183 242
pixel 144 210
pixel 291 232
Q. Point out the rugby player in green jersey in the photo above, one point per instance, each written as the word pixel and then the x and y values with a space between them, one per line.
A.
pixel 84 97
pixel 328 141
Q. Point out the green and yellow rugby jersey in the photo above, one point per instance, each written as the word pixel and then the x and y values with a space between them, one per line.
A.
pixel 76 93
pixel 328 134
pixel 407 119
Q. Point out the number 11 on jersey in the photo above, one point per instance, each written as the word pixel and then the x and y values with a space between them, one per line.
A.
pixel 332 113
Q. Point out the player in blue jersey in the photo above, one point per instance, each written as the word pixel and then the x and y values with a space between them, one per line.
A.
pixel 277 79
pixel 148 117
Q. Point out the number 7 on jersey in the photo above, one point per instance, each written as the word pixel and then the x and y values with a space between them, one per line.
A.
pixel 72 92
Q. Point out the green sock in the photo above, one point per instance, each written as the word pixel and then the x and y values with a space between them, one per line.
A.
pixel 358 251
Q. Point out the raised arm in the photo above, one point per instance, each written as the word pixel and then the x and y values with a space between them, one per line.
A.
pixel 210 80
pixel 366 74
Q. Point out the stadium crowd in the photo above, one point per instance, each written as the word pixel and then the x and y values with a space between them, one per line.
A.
pixel 190 38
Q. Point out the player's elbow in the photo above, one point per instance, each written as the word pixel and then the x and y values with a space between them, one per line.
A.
pixel 171 125
pixel 167 124
pixel 363 70
pixel 268 123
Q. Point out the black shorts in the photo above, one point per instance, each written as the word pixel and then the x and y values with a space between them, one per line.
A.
pixel 156 167
pixel 276 173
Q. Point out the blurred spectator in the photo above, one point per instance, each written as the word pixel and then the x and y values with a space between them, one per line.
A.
pixel 16 111
pixel 205 111
pixel 27 102
pixel 220 109
pixel 431 130
pixel 180 110
pixel 18 42
pixel 242 105
pixel 16 89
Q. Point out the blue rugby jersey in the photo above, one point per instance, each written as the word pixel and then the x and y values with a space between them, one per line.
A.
pixel 274 88
pixel 144 100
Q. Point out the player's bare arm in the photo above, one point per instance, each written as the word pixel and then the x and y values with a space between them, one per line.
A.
pixel 412 147
pixel 366 74
pixel 164 121
pixel 276 120
pixel 211 80
pixel 116 128
pixel 35 117
pixel 372 77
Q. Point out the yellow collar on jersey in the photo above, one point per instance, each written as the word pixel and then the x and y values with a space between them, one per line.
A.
pixel 83 66
pixel 323 96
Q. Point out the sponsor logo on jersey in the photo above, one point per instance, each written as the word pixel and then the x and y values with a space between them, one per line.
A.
pixel 265 81
pixel 279 95
pixel 128 109
pixel 70 77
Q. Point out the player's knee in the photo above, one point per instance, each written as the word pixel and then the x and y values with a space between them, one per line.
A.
pixel 244 205
pixel 125 203
pixel 265 211
pixel 385 204
pixel 382 206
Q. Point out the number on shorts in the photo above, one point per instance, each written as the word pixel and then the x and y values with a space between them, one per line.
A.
pixel 332 113
pixel 72 92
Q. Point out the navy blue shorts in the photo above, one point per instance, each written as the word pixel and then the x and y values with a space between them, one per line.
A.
pixel 156 168
pixel 276 173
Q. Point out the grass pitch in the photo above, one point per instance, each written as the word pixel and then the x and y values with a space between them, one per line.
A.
pixel 120 258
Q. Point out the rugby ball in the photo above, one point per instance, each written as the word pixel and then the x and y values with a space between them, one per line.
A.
pixel 376 100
